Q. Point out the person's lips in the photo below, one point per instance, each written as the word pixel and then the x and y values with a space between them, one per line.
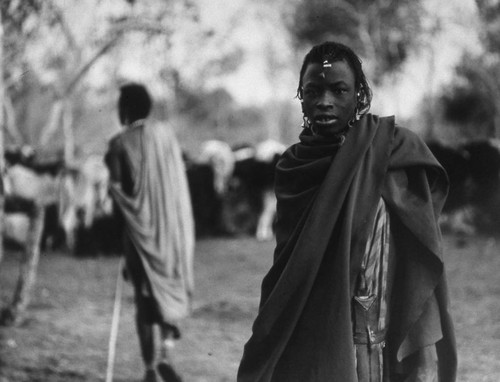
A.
pixel 325 119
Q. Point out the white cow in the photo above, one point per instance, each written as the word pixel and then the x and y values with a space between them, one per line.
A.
pixel 220 156
pixel 84 196
pixel 267 152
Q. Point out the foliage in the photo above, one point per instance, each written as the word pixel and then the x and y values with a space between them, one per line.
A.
pixel 473 104
pixel 19 19
pixel 469 104
pixel 489 11
pixel 72 54
pixel 217 114
pixel 383 31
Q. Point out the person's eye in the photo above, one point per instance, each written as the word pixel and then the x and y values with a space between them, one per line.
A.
pixel 341 91
pixel 309 91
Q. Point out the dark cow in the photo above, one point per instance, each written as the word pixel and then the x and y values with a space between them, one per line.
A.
pixel 456 163
pixel 473 168
pixel 208 177
pixel 251 201
pixel 232 191
pixel 484 169
pixel 206 201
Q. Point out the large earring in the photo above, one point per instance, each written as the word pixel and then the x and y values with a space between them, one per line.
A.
pixel 306 123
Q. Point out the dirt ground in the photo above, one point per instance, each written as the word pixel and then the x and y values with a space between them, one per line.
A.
pixel 66 332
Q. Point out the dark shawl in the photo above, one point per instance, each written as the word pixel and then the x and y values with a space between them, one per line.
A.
pixel 326 206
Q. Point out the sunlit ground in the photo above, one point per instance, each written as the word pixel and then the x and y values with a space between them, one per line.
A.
pixel 66 334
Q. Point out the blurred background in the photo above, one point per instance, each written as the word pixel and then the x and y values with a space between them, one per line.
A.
pixel 224 75
pixel 229 69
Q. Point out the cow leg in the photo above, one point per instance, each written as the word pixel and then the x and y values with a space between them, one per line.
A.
pixel 266 218
pixel 13 314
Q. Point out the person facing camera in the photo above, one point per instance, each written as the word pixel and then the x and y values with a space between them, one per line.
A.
pixel 357 291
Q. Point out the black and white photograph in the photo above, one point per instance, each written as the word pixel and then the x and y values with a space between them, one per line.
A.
pixel 249 191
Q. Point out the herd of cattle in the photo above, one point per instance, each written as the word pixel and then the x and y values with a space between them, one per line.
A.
pixel 231 191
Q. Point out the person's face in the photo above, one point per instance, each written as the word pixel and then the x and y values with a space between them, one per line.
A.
pixel 329 97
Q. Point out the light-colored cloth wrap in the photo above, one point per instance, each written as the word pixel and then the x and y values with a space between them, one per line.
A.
pixel 159 221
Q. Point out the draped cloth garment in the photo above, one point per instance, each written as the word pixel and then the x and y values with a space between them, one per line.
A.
pixel 327 200
pixel 159 221
pixel 370 301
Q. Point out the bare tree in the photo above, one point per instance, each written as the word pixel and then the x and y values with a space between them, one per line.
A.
pixel 2 161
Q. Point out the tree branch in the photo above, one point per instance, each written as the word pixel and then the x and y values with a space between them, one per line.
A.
pixel 83 70
pixel 10 120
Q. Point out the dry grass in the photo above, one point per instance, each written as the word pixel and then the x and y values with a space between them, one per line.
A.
pixel 65 337
pixel 473 274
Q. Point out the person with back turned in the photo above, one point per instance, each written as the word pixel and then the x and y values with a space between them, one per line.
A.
pixel 357 291
pixel 149 188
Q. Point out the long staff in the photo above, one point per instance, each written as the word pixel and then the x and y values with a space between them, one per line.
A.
pixel 114 323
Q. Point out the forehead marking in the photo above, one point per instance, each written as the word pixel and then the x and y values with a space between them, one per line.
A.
pixel 326 64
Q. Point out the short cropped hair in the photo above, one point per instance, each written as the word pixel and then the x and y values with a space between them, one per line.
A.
pixel 334 51
pixel 134 102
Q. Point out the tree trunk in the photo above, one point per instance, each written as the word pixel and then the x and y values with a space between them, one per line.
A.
pixel 2 161
pixel 69 138
pixel 10 124
pixel 14 314
pixel 53 122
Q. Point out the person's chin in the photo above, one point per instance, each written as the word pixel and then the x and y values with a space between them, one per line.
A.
pixel 328 130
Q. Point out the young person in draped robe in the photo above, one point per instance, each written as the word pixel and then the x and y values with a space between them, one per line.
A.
pixel 149 188
pixel 357 291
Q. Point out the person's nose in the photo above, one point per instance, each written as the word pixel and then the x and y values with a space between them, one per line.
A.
pixel 325 101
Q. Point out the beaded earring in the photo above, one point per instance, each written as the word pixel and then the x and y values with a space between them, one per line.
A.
pixel 306 123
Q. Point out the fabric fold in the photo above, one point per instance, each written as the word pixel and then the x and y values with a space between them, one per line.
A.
pixel 158 219
pixel 327 201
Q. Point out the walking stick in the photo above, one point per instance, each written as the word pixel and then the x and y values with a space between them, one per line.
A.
pixel 114 323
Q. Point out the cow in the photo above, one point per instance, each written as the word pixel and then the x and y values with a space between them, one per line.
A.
pixel 268 152
pixel 484 191
pixel 27 193
pixel 74 197
pixel 219 156
pixel 208 175
pixel 251 198
pixel 205 199
pixel 455 161
pixel 232 189
pixel 23 166
pixel 473 168
pixel 86 209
